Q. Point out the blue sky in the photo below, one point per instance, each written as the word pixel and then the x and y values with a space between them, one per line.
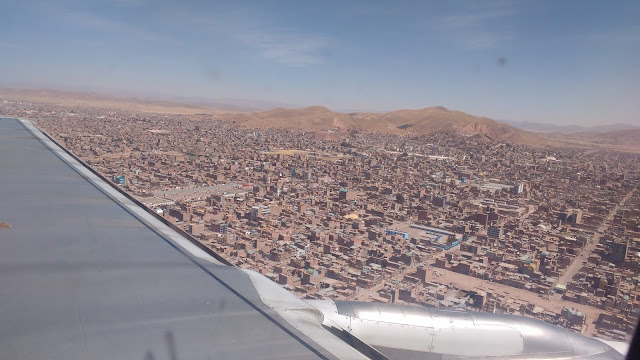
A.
pixel 563 61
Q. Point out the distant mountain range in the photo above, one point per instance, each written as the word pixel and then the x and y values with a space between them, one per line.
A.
pixel 99 100
pixel 569 129
pixel 320 119
pixel 107 97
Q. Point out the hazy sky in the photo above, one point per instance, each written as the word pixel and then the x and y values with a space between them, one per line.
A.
pixel 543 61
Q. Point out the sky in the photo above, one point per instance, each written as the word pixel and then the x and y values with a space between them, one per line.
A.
pixel 558 62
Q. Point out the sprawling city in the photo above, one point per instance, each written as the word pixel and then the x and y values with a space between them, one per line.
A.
pixel 441 180
pixel 441 220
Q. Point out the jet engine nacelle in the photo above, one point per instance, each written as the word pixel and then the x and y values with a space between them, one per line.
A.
pixel 408 332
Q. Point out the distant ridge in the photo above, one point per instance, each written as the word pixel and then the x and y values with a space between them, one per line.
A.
pixel 312 118
pixel 91 99
pixel 569 129
pixel 422 121
pixel 621 139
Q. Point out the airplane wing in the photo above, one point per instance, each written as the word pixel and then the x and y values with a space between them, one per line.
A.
pixel 86 272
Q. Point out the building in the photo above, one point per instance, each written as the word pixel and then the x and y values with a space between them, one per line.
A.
pixel 439 201
pixel 575 217
pixel 518 188
pixel 195 229
pixel 307 175
pixel 396 232
pixel 345 194
pixel 618 251
pixel 259 211
pixel 219 227
pixel 494 232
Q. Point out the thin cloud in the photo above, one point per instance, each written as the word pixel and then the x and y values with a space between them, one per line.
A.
pixel 629 35
pixel 484 39
pixel 287 46
pixel 100 23
pixel 475 19
pixel 476 28
pixel 6 44
pixel 128 3
pixel 480 40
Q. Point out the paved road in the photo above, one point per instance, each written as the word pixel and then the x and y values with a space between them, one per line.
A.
pixel 165 193
pixel 581 259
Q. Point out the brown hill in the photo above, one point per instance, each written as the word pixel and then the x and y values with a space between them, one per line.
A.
pixel 313 118
pixel 441 119
pixel 424 121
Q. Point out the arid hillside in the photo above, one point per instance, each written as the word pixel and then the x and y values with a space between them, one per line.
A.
pixel 423 121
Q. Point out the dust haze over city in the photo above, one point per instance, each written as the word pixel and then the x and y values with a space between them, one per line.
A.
pixel 477 156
